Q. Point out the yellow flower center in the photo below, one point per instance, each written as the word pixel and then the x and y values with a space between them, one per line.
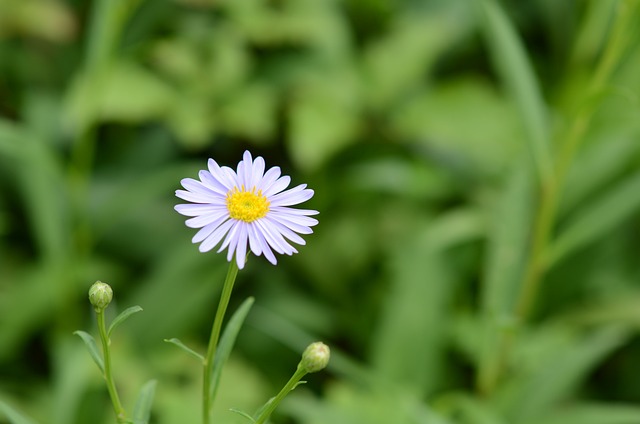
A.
pixel 247 206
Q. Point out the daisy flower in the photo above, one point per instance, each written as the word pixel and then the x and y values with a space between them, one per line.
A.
pixel 246 208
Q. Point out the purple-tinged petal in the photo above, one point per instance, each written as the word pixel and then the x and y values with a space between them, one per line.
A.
pixel 198 209
pixel 241 248
pixel 280 184
pixel 206 219
pixel 211 241
pixel 286 232
pixel 268 179
pixel 292 196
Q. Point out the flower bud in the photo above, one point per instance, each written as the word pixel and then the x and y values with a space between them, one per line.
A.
pixel 100 295
pixel 315 357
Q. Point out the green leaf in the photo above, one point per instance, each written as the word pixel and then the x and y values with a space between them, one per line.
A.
pixel 506 251
pixel 593 413
pixel 510 58
pixel 13 415
pixel 533 394
pixel 184 347
pixel 598 219
pixel 142 409
pixel 415 314
pixel 469 409
pixel 226 343
pixel 91 345
pixel 243 414
pixel 599 163
pixel 122 317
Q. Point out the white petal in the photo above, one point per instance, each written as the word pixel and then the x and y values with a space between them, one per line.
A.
pixel 269 178
pixel 241 249
pixel 254 242
pixel 198 209
pixel 266 249
pixel 280 184
pixel 193 197
pixel 230 177
pixel 286 232
pixel 292 211
pixel 293 196
pixel 219 174
pixel 211 241
pixel 211 182
pixel 197 187
pixel 307 221
pixel 230 237
pixel 205 231
pixel 206 219
pixel 275 239
pixel 292 225
pixel 257 172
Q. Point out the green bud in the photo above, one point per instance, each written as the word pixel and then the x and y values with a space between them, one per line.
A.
pixel 100 295
pixel 315 357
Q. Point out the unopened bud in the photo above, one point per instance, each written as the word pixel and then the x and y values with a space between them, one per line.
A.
pixel 315 357
pixel 100 295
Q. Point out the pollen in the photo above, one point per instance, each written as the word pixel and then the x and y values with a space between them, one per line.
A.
pixel 246 205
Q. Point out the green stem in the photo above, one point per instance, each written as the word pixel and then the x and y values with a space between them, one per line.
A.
pixel 273 404
pixel 121 414
pixel 552 187
pixel 207 401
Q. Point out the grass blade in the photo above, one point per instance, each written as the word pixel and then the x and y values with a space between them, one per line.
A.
pixel 184 347
pixel 91 345
pixel 517 73
pixel 598 219
pixel 142 409
pixel 122 317
pixel 227 341
pixel 13 415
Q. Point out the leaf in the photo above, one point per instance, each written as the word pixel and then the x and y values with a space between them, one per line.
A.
pixel 597 165
pixel 470 409
pixel 593 413
pixel 531 395
pixel 226 343
pixel 598 219
pixel 184 347
pixel 507 247
pixel 122 317
pixel 13 415
pixel 91 345
pixel 415 314
pixel 243 414
pixel 142 409
pixel 510 58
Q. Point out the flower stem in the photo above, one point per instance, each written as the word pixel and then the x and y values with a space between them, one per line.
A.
pixel 273 404
pixel 207 401
pixel 121 414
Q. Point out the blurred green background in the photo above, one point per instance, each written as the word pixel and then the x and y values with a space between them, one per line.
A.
pixel 476 167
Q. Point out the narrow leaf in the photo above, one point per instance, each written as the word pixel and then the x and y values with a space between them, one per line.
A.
pixel 593 413
pixel 598 219
pixel 142 409
pixel 184 347
pixel 122 317
pixel 91 345
pixel 226 343
pixel 13 415
pixel 242 413
pixel 530 396
pixel 507 247
pixel 510 58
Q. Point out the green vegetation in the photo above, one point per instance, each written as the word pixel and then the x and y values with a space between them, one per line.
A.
pixel 476 165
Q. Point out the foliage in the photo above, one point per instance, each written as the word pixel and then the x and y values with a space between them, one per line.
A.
pixel 476 166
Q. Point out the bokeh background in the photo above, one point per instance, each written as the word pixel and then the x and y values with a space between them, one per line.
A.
pixel 461 153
